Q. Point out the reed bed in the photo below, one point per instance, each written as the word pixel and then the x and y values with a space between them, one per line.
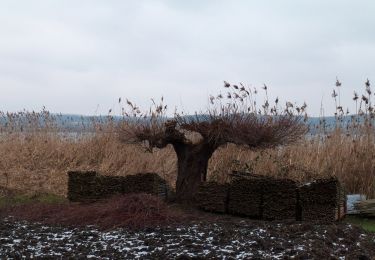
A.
pixel 37 162
pixel 37 150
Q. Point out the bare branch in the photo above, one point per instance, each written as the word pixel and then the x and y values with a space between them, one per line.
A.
pixel 252 130
pixel 155 134
pixel 238 121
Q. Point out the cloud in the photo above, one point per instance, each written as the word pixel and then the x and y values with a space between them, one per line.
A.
pixel 72 56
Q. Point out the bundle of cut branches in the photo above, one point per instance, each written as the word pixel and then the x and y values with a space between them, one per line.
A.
pixel 366 207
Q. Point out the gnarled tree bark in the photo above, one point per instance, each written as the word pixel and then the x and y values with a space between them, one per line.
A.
pixel 192 163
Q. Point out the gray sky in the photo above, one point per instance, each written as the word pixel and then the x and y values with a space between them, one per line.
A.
pixel 81 56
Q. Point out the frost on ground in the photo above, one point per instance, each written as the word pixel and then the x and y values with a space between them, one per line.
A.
pixel 223 240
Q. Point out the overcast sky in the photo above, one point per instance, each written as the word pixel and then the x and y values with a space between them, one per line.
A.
pixel 81 56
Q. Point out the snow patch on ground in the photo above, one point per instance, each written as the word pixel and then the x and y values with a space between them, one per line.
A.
pixel 239 241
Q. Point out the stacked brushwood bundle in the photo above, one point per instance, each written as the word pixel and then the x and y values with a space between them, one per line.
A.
pixel 213 197
pixel 322 200
pixel 91 186
pixel 280 200
pixel 366 208
pixel 246 194
pixel 150 183
pixel 81 185
pixel 270 198
pixel 106 186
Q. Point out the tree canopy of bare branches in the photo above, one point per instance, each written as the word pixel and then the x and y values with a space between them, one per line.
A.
pixel 231 118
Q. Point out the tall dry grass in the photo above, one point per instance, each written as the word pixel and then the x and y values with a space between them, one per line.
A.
pixel 37 161
pixel 36 153
pixel 345 149
pixel 353 162
pixel 37 157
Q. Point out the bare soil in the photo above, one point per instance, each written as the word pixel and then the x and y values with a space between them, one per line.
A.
pixel 235 239
pixel 142 227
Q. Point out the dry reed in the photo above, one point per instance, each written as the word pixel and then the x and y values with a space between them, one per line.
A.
pixel 36 152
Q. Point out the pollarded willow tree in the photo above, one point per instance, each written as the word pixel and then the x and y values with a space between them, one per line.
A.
pixel 233 118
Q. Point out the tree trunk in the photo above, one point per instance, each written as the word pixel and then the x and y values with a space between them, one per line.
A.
pixel 192 162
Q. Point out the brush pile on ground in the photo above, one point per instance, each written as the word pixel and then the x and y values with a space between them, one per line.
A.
pixel 246 197
pixel 86 186
pixel 280 200
pixel 132 211
pixel 213 197
pixel 269 198
pixel 322 199
pixel 366 208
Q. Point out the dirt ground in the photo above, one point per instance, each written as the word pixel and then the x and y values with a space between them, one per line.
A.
pixel 222 239
pixel 140 226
